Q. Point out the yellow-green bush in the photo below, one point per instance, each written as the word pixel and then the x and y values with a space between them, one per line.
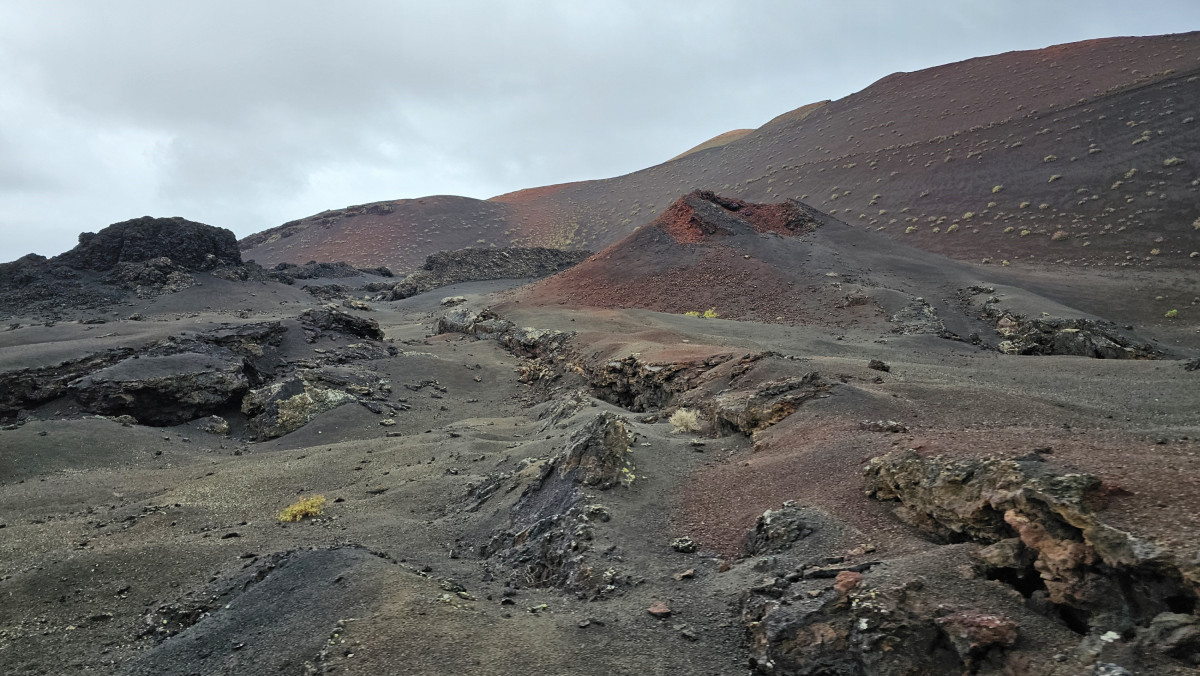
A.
pixel 305 507
pixel 684 420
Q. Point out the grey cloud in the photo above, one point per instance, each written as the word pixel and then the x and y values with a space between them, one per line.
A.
pixel 248 114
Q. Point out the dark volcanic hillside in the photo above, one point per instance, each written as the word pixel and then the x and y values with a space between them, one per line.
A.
pixel 1086 153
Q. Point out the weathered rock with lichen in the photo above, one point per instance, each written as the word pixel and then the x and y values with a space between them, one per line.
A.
pixel 288 405
pixel 1075 337
pixel 330 318
pixel 550 528
pixel 214 424
pixel 29 387
pixel 870 631
pixel 917 317
pixel 151 278
pixel 1041 528
pixel 974 633
pixel 776 530
pixel 524 342
pixel 1175 635
pixel 748 411
pixel 598 454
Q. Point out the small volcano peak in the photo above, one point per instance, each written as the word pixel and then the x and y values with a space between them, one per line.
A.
pixel 702 214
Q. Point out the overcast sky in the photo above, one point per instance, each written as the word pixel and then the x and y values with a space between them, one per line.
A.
pixel 249 113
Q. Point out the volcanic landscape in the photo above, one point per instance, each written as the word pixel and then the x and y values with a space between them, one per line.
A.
pixel 904 383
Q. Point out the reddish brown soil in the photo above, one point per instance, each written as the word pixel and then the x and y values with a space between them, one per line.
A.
pixel 722 280
pixel 819 463
pixel 528 195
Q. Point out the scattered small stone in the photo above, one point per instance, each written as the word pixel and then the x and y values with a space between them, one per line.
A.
pixel 598 513
pixel 687 632
pixel 683 545
pixel 835 570
pixel 972 632
pixel 356 305
pixel 889 426
pixel 861 549
pixel 847 580
pixel 659 610
pixel 215 424
pixel 387 422
pixel 878 365
pixel 685 575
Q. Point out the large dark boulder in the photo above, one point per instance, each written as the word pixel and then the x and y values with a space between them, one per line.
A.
pixel 165 390
pixel 194 246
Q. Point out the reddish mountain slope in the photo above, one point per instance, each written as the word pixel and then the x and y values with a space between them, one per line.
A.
pixel 1086 153
pixel 399 233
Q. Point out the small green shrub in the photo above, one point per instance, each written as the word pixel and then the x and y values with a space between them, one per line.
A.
pixel 1171 314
